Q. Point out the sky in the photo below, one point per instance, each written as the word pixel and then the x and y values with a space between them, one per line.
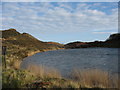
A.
pixel 60 0
pixel 62 22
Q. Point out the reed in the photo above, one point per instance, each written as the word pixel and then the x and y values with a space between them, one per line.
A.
pixel 77 78
pixel 43 71
pixel 94 78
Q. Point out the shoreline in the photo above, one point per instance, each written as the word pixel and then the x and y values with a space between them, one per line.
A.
pixel 46 50
pixel 19 63
pixel 32 53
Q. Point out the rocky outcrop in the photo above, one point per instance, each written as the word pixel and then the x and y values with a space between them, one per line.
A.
pixel 114 37
pixel 113 41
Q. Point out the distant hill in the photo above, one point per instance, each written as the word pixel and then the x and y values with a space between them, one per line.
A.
pixel 21 45
pixel 75 44
pixel 25 40
pixel 55 44
pixel 112 42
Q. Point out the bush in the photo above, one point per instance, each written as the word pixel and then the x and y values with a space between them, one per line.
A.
pixel 16 78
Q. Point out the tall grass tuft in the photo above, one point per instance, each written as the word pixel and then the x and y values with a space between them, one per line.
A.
pixel 43 71
pixel 16 64
pixel 94 78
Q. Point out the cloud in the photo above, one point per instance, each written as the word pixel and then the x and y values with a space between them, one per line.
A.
pixel 103 32
pixel 60 0
pixel 58 17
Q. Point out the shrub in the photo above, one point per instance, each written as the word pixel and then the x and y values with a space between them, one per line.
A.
pixel 16 78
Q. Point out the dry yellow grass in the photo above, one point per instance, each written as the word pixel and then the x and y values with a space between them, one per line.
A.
pixel 95 78
pixel 16 64
pixel 115 81
pixel 78 78
pixel 65 84
pixel 44 72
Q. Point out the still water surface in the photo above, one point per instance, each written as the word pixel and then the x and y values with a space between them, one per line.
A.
pixel 84 58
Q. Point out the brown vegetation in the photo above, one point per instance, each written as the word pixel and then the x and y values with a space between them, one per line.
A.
pixel 44 72
pixel 95 78
pixel 77 79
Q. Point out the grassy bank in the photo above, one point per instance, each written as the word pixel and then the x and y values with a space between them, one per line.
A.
pixel 45 77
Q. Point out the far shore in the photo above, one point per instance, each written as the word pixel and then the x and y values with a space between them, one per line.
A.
pixel 30 54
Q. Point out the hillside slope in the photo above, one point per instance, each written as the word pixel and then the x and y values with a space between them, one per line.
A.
pixel 21 45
